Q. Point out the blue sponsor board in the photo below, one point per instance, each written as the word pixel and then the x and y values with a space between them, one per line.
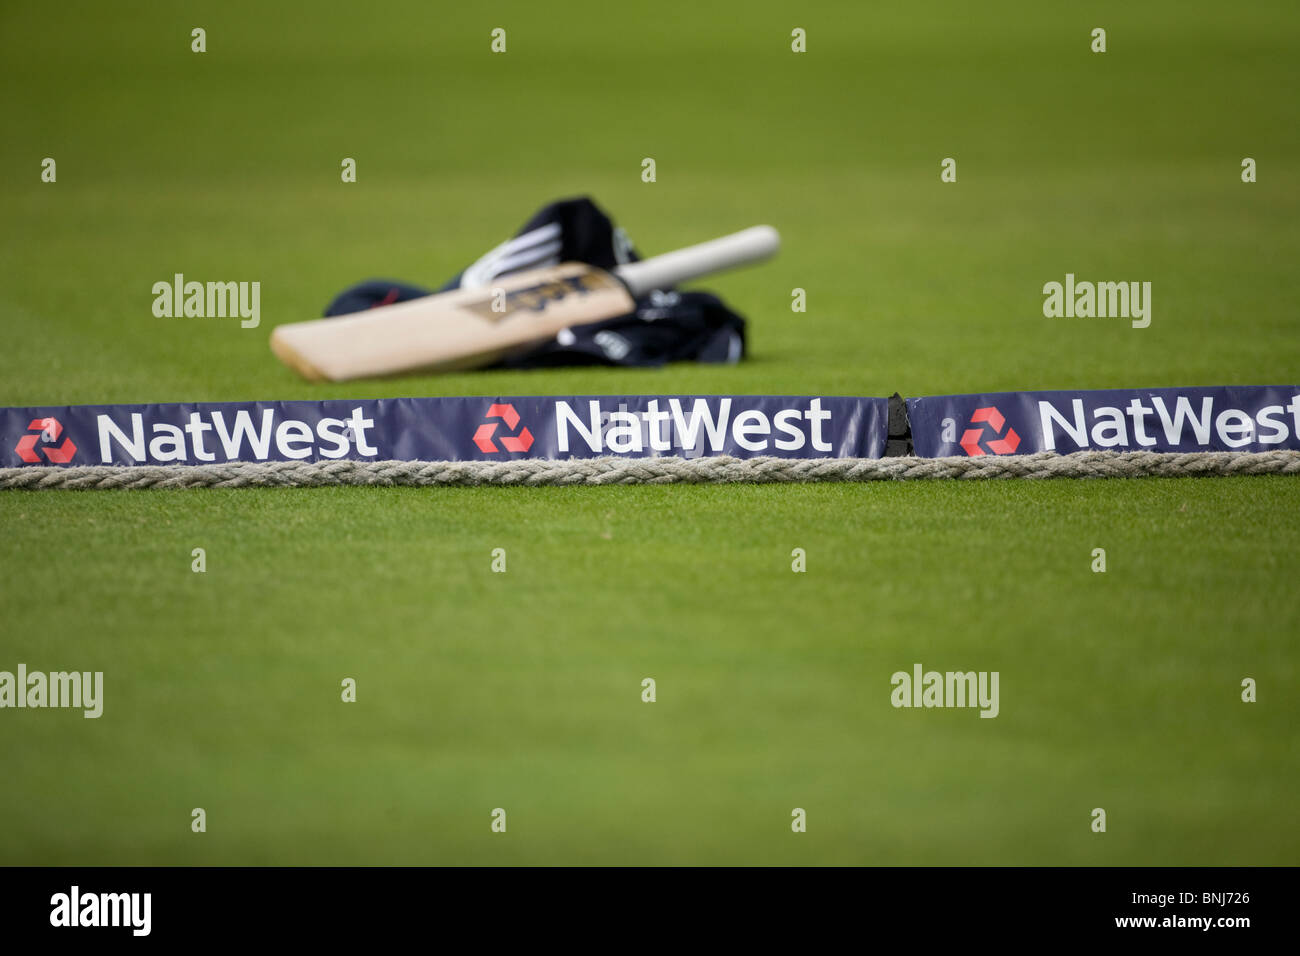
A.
pixel 445 429
pixel 1252 418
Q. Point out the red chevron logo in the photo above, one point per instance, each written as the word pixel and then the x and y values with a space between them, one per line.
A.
pixel 992 418
pixel 518 442
pixel 49 431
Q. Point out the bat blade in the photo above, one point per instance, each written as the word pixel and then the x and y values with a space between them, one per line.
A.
pixel 464 328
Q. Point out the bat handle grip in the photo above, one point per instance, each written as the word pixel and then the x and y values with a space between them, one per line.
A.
pixel 716 255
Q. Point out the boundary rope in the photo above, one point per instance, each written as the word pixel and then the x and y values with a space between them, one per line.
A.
pixel 635 471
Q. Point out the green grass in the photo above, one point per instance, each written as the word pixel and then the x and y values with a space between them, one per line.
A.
pixel 522 690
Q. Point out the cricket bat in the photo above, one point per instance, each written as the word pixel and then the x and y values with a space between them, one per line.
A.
pixel 467 328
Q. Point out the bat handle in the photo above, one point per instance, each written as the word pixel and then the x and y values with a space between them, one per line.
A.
pixel 716 255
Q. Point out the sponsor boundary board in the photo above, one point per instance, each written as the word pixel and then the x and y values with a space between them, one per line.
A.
pixel 1235 418
pixel 497 428
pixel 446 429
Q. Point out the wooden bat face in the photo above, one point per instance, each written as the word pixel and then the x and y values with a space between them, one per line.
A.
pixel 464 328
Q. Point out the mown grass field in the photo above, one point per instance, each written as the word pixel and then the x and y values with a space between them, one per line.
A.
pixel 523 690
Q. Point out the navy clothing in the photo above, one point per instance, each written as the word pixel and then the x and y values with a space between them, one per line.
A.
pixel 666 326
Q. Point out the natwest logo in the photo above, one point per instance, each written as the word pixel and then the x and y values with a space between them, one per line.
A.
pixel 520 441
pixel 973 439
pixel 692 426
pixel 48 432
